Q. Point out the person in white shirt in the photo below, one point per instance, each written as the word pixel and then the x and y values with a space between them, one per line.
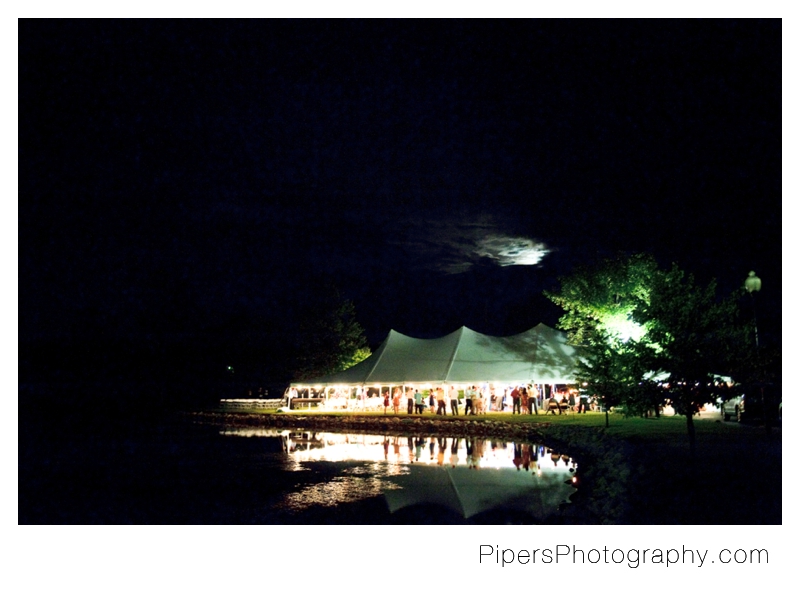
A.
pixel 454 400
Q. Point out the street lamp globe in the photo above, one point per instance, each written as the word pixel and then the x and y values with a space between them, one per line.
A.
pixel 752 283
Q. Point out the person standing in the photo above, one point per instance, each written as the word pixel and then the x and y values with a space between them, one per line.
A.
pixel 396 400
pixel 419 401
pixel 516 401
pixel 469 393
pixel 385 402
pixel 533 400
pixel 454 400
pixel 441 405
pixel 523 399
pixel 410 403
pixel 479 402
pixel 432 401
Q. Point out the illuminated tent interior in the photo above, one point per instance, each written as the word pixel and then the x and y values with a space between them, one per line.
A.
pixel 539 355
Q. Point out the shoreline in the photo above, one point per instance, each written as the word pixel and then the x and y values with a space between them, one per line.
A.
pixel 646 476
pixel 604 470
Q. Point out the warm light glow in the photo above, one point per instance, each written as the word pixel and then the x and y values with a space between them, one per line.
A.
pixel 305 446
pixel 622 327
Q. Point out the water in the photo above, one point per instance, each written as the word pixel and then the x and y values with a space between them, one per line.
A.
pixel 179 473
pixel 454 477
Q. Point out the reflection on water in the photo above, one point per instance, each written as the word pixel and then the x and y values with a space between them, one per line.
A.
pixel 468 476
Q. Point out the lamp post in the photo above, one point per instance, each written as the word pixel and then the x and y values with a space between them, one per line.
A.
pixel 751 285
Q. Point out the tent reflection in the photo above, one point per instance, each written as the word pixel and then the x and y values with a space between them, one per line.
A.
pixel 464 476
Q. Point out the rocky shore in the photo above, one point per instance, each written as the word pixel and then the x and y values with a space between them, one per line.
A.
pixel 603 476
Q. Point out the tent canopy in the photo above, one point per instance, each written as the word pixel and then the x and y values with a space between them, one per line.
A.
pixel 539 355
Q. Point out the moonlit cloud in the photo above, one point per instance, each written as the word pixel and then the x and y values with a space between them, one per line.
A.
pixel 456 246
pixel 508 250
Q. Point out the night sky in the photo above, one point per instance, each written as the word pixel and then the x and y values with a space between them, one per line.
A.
pixel 191 187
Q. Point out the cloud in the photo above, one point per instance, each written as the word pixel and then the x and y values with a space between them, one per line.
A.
pixel 456 245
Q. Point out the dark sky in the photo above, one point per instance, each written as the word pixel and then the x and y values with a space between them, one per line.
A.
pixel 204 177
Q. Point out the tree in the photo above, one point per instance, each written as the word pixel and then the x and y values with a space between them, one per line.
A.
pixel 618 375
pixel 691 337
pixel 598 301
pixel 636 321
pixel 330 339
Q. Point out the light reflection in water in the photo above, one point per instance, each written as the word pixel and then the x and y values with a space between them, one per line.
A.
pixel 341 490
pixel 467 475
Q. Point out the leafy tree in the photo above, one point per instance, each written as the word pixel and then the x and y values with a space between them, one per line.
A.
pixel 635 320
pixel 330 339
pixel 691 337
pixel 598 299
pixel 617 373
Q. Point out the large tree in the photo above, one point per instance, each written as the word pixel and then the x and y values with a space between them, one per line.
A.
pixel 329 339
pixel 693 338
pixel 614 372
pixel 636 321
pixel 598 301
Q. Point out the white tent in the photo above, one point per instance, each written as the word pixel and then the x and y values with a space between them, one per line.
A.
pixel 539 355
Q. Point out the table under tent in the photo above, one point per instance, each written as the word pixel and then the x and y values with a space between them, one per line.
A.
pixel 540 357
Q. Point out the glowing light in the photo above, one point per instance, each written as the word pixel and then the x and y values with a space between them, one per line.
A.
pixel 621 326
pixel 510 250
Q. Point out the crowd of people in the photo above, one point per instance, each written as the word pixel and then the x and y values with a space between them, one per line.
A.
pixel 474 399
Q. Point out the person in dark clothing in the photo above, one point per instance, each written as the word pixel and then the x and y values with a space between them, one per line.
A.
pixel 469 393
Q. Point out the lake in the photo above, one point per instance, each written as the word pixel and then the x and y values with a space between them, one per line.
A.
pixel 173 472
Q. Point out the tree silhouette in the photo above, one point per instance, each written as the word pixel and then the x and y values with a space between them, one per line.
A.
pixel 330 339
